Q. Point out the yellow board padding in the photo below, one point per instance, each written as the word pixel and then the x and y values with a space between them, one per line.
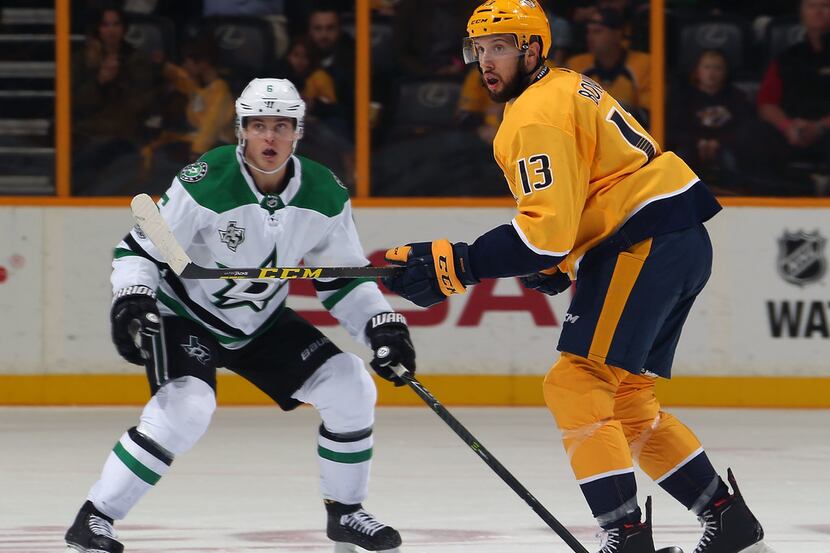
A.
pixel 451 390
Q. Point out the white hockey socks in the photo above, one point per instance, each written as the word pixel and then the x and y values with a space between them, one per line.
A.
pixel 133 466
pixel 345 460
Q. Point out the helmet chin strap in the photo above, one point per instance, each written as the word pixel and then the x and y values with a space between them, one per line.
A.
pixel 263 171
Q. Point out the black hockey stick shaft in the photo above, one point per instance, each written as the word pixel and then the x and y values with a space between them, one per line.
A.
pixel 489 459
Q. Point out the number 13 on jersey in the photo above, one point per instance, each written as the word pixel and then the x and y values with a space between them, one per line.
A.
pixel 535 173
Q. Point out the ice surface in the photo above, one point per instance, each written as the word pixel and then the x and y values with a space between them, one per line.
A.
pixel 251 484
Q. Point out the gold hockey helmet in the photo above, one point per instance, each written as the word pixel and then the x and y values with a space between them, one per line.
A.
pixel 521 18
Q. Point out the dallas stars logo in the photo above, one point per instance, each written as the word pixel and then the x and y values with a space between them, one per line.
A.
pixel 194 172
pixel 196 350
pixel 232 236
pixel 254 293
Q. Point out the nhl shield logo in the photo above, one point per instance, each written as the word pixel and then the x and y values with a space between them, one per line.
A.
pixel 801 257
pixel 232 236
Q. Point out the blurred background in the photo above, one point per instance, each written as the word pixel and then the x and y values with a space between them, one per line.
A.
pixel 111 98
pixel 102 100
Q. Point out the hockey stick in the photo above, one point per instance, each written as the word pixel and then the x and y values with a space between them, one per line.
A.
pixel 488 458
pixel 152 224
pixel 499 469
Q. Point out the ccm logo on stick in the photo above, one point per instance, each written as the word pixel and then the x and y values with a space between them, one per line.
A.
pixel 290 272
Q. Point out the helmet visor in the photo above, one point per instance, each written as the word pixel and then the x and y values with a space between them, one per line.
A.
pixel 490 47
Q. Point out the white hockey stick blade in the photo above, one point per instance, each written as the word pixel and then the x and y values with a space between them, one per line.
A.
pixel 152 224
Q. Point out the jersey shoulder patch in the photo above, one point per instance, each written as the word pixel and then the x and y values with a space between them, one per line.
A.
pixel 320 189
pixel 193 172
pixel 215 181
pixel 588 88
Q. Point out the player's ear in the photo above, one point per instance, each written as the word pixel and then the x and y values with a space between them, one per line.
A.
pixel 534 52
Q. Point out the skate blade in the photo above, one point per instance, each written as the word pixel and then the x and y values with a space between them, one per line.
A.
pixel 342 547
pixel 759 547
pixel 672 549
pixel 73 549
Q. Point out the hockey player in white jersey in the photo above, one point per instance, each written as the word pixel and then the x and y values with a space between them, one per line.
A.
pixel 255 204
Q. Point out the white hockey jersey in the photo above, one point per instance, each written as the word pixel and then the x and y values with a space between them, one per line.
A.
pixel 221 219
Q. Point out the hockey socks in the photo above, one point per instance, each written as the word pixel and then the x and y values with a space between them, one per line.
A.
pixel 345 460
pixel 612 498
pixel 133 466
pixel 694 483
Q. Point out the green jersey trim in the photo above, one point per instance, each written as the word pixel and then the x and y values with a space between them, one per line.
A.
pixel 118 253
pixel 181 311
pixel 333 299
pixel 320 190
pixel 222 187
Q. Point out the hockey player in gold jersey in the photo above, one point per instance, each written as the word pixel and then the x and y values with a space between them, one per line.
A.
pixel 598 202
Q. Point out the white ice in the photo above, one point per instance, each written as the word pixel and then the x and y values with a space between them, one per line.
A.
pixel 250 485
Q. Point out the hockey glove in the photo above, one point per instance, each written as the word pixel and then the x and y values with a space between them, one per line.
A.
pixel 133 311
pixel 431 271
pixel 389 338
pixel 550 284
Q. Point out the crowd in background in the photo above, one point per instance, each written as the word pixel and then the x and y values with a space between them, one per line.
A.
pixel 153 86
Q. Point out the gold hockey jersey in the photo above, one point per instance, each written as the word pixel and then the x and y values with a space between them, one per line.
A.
pixel 580 167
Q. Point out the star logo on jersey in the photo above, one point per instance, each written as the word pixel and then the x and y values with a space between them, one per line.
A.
pixel 232 236
pixel 194 172
pixel 255 293
pixel 196 350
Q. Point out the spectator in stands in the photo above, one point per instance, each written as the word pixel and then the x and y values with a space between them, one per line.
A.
pixel 336 52
pixel 113 90
pixel 562 42
pixel 427 38
pixel 707 119
pixel 622 72
pixel 209 113
pixel 580 12
pixel 314 83
pixel 794 99
pixel 384 8
pixel 327 137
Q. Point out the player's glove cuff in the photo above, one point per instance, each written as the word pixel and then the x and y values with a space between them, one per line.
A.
pixel 136 289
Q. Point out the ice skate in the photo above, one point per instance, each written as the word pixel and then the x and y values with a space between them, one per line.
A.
pixel 92 533
pixel 730 527
pixel 632 537
pixel 350 527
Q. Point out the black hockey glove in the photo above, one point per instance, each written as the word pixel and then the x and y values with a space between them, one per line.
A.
pixel 389 337
pixel 551 285
pixel 133 311
pixel 431 271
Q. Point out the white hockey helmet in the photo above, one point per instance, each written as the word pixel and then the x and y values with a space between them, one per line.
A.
pixel 270 98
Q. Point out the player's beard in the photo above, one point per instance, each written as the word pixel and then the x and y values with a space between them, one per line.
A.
pixel 513 87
